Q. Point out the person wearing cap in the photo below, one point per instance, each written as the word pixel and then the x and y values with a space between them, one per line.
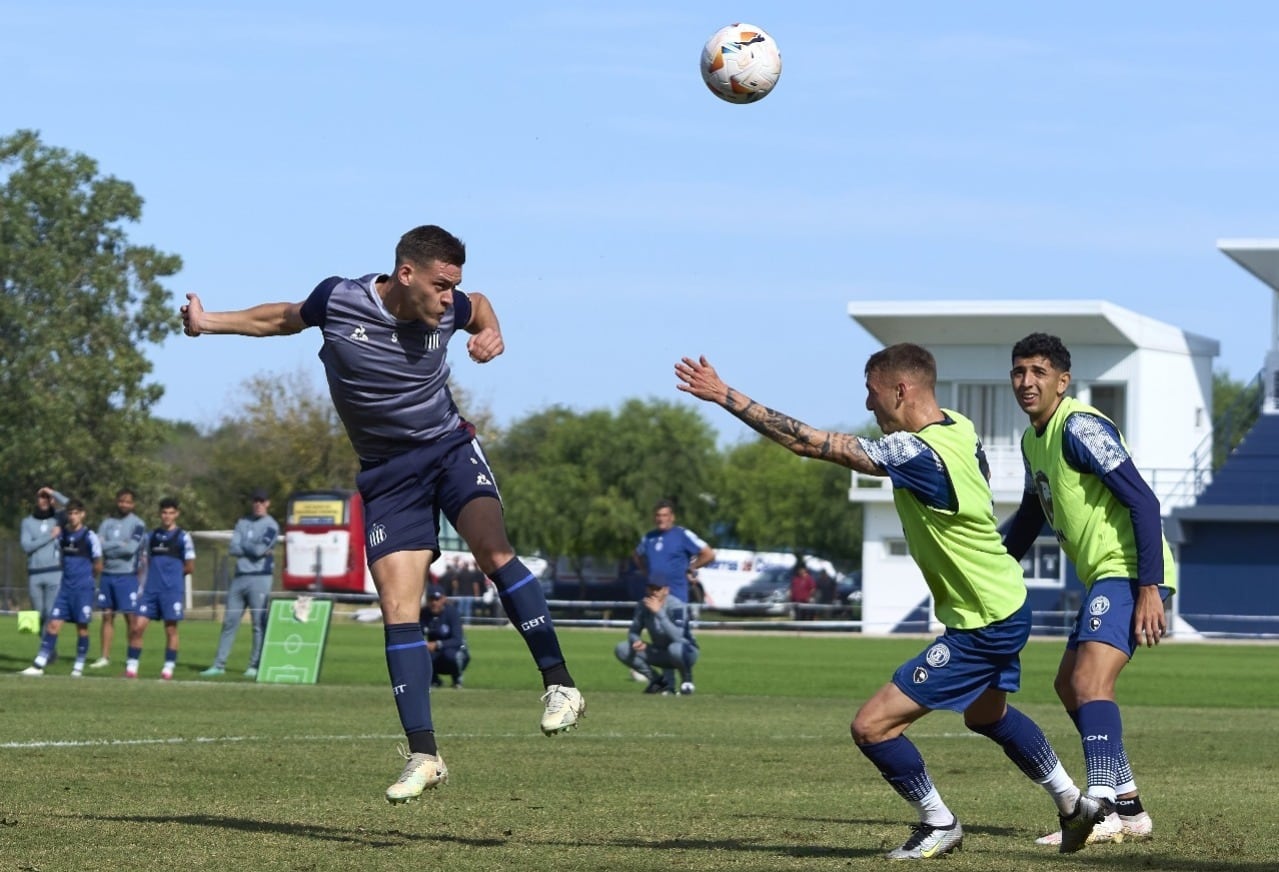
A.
pixel 442 627
pixel 666 619
pixel 253 547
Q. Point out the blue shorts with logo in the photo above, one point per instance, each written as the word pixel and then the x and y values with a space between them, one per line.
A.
pixel 404 495
pixel 161 602
pixel 1107 615
pixel 74 603
pixel 118 593
pixel 961 665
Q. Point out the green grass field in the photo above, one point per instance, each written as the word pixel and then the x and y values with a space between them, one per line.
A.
pixel 756 771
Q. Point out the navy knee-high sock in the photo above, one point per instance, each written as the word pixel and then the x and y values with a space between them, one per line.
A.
pixel 409 665
pixel 1023 742
pixel 1102 731
pixel 902 766
pixel 525 606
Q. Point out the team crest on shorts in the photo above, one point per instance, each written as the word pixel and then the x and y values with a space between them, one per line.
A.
pixel 1099 606
pixel 920 675
pixel 938 655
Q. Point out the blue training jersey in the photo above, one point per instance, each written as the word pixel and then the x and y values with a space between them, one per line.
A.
pixel 388 378
pixel 169 551
pixel 80 550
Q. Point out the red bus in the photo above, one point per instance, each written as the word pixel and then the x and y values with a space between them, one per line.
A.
pixel 324 543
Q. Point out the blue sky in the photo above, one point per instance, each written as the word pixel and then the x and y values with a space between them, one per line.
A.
pixel 619 216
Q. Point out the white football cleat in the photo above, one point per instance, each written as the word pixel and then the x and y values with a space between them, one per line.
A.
pixel 1115 828
pixel 421 772
pixel 564 705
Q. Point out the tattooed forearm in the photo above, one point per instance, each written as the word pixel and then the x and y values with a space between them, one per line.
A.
pixel 799 437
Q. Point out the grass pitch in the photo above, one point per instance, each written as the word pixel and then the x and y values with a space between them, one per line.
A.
pixel 756 771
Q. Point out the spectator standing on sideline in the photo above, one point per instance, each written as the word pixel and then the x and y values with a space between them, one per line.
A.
pixel 671 554
pixel 39 537
pixel 1081 479
pixel 253 547
pixel 802 588
pixel 469 585
pixel 442 627
pixel 384 353
pixel 122 536
pixel 81 566
pixel 171 558
pixel 670 643
pixel 942 493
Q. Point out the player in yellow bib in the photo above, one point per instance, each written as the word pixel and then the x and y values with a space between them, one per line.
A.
pixel 942 494
pixel 1081 480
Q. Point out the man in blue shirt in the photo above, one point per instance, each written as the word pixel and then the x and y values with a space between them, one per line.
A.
pixel 252 546
pixel 384 353
pixel 442 626
pixel 671 554
pixel 81 565
pixel 172 559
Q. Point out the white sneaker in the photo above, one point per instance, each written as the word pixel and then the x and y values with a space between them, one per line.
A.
pixel 638 676
pixel 32 670
pixel 1115 828
pixel 100 663
pixel 77 673
pixel 926 842
pixel 421 771
pixel 564 705
pixel 165 675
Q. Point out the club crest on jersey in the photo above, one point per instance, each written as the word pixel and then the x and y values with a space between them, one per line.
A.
pixel 1099 606
pixel 938 655
pixel 920 675
pixel 432 341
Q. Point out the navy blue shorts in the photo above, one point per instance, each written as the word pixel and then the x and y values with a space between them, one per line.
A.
pixel 1107 615
pixel 404 496
pixel 961 665
pixel 162 602
pixel 118 593
pixel 74 603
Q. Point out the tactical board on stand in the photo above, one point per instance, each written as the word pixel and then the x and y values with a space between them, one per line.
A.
pixel 296 631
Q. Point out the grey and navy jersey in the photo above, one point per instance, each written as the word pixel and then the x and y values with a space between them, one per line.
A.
pixel 388 378
pixel 122 540
pixel 80 550
pixel 169 551
pixel 253 545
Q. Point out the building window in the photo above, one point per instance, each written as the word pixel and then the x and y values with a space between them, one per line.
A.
pixel 992 407
pixel 1042 565
pixel 1110 400
pixel 896 548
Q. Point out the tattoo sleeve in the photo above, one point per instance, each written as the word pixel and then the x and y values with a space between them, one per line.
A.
pixel 806 441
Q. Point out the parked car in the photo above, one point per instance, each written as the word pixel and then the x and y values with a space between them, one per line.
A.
pixel 766 594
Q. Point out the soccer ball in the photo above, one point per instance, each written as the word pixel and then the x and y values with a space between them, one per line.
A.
pixel 741 63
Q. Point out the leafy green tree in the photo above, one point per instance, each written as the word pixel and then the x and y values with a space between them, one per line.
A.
pixel 1235 406
pixel 79 305
pixel 578 485
pixel 773 500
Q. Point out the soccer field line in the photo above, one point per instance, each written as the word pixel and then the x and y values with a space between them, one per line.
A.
pixel 37 744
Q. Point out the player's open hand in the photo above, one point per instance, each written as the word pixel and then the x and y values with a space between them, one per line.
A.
pixel 192 312
pixel 485 345
pixel 698 377
pixel 1150 623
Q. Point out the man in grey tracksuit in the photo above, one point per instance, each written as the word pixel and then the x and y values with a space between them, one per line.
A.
pixel 39 536
pixel 670 644
pixel 252 546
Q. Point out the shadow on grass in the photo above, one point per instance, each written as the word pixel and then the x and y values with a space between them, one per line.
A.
pixel 354 836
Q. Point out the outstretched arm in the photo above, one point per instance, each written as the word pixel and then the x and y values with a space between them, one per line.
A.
pixel 267 319
pixel 699 378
